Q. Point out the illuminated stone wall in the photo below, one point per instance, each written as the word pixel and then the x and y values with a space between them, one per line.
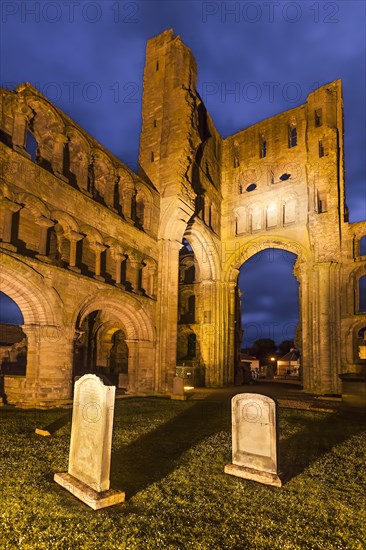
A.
pixel 81 233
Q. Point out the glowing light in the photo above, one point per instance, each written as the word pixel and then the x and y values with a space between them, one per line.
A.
pixel 189 387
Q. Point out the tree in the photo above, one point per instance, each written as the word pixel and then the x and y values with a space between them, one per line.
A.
pixel 263 349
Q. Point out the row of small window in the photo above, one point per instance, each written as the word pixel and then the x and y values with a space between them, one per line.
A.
pixel 292 139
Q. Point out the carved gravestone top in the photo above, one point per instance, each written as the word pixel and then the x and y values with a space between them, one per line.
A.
pixel 91 433
pixel 254 439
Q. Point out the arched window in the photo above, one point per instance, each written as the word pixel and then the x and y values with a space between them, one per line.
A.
pixel 262 147
pixel 292 136
pixel 362 294
pixel 191 345
pixel 363 246
pixel 31 145
pixel 189 275
pixel 191 309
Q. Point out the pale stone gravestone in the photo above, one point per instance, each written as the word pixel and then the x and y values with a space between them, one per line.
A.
pixel 90 447
pixel 123 380
pixel 178 389
pixel 254 439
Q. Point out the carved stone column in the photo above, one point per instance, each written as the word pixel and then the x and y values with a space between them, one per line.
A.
pixel 79 167
pixel 118 257
pixel 10 208
pixel 98 248
pixel 21 114
pixel 127 195
pixel 133 361
pixel 74 238
pixel 167 314
pixel 151 276
pixel 136 265
pixel 45 225
pixel 58 155
pixel 148 277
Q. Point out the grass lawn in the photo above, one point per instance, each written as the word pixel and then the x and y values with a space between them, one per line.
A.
pixel 168 456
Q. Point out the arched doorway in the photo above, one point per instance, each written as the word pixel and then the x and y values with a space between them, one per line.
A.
pixel 114 337
pixel 100 346
pixel 270 309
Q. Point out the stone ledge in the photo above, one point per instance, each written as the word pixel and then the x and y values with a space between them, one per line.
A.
pixel 88 495
pixel 254 475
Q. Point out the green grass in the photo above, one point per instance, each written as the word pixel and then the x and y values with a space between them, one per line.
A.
pixel 169 457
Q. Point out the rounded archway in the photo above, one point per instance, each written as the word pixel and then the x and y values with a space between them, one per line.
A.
pixel 114 337
pixel 100 346
pixel 269 296
pixel 277 317
pixel 13 340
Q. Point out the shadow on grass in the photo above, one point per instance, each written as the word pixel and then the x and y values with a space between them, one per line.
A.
pixel 153 456
pixel 317 438
pixel 57 424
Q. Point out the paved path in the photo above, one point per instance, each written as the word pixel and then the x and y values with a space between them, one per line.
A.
pixel 288 394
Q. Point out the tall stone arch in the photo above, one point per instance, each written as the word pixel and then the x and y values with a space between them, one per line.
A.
pixel 48 374
pixel 319 307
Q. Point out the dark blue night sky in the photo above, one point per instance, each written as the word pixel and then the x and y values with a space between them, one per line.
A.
pixel 255 59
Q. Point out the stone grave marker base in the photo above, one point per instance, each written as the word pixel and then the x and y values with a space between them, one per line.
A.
pixel 88 495
pixel 254 475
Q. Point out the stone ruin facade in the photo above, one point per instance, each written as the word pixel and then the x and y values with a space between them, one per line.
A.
pixel 118 272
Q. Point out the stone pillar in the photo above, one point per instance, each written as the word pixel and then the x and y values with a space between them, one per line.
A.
pixel 32 333
pixel 167 314
pixel 21 114
pixel 118 258
pixel 326 328
pixel 133 356
pixel 55 363
pixel 148 279
pixel 136 265
pixel 127 195
pixel 10 209
pixel 207 211
pixel 79 166
pixel 98 248
pixel 231 330
pixel 58 155
pixel 45 225
pixel 301 272
pixel 73 237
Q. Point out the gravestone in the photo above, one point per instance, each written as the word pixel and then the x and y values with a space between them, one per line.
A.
pixel 178 389
pixel 123 380
pixel 90 446
pixel 254 439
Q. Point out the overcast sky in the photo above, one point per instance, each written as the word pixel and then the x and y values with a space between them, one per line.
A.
pixel 88 58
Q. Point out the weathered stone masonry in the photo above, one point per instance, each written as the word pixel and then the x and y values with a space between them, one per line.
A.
pixel 92 253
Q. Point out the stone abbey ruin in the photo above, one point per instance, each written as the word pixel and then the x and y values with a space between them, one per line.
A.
pixel 134 274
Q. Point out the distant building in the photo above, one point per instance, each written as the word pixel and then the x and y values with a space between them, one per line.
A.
pixel 289 364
